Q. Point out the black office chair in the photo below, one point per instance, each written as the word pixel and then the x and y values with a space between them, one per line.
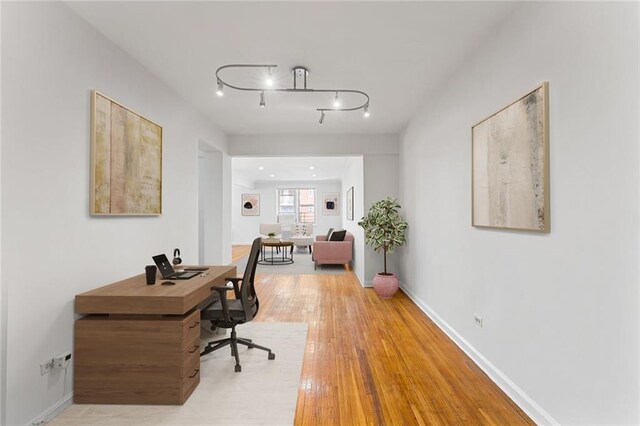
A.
pixel 226 313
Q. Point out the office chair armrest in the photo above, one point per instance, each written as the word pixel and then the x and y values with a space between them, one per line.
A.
pixel 223 300
pixel 236 288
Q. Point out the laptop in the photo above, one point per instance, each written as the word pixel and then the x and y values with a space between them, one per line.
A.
pixel 167 271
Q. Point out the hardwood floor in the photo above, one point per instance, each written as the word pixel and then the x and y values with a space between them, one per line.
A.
pixel 238 252
pixel 373 361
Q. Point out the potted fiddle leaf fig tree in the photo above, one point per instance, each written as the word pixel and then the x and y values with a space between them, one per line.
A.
pixel 384 229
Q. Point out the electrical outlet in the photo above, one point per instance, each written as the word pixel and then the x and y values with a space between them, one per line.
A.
pixel 478 319
pixel 46 366
pixel 61 360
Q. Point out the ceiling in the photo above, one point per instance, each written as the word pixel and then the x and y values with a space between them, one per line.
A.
pixel 397 52
pixel 246 169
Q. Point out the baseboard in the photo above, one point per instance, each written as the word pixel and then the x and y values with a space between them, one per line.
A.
pixel 517 395
pixel 363 283
pixel 53 411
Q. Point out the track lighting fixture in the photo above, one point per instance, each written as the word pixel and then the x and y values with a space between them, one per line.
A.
pixel 220 92
pixel 300 75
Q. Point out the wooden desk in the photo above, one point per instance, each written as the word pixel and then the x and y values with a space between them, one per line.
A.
pixel 139 343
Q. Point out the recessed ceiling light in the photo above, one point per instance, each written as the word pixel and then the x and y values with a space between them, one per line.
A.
pixel 260 168
pixel 313 175
pixel 311 167
pixel 272 175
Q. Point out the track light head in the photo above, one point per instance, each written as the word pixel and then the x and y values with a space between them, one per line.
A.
pixel 269 80
pixel 262 102
pixel 220 91
pixel 321 118
pixel 366 113
pixel 336 101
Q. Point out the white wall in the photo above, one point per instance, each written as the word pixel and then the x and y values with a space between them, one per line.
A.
pixel 3 297
pixel 353 177
pixel 210 194
pixel 309 145
pixel 214 216
pixel 227 180
pixel 381 177
pixel 560 310
pixel 373 177
pixel 245 228
pixel 52 248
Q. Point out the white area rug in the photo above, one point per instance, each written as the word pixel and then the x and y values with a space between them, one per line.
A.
pixel 264 393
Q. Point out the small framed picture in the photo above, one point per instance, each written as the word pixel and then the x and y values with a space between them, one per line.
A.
pixel 250 204
pixel 331 203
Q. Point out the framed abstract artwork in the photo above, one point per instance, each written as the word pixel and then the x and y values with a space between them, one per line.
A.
pixel 510 165
pixel 350 204
pixel 126 161
pixel 250 204
pixel 330 203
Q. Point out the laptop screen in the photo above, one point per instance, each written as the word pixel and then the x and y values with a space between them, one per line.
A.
pixel 163 265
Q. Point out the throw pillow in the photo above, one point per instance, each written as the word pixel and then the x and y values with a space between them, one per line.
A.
pixel 329 234
pixel 338 235
pixel 301 229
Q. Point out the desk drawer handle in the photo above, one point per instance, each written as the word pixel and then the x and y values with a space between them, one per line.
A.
pixel 195 348
pixel 195 373
pixel 194 324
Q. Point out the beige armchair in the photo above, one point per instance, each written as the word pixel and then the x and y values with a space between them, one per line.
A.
pixel 268 228
pixel 303 236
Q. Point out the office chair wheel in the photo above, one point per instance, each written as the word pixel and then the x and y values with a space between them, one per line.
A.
pixel 238 368
pixel 272 356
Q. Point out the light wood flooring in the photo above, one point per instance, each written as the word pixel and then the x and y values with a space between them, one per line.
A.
pixel 373 361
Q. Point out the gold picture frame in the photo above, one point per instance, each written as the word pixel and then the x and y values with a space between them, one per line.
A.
pixel 126 161
pixel 510 166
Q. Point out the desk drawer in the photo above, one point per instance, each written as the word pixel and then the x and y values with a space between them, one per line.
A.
pixel 190 381
pixel 191 357
pixel 191 328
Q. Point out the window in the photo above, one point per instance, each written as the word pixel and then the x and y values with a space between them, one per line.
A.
pixel 299 203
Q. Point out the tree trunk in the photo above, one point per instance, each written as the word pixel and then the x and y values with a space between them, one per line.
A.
pixel 385 260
